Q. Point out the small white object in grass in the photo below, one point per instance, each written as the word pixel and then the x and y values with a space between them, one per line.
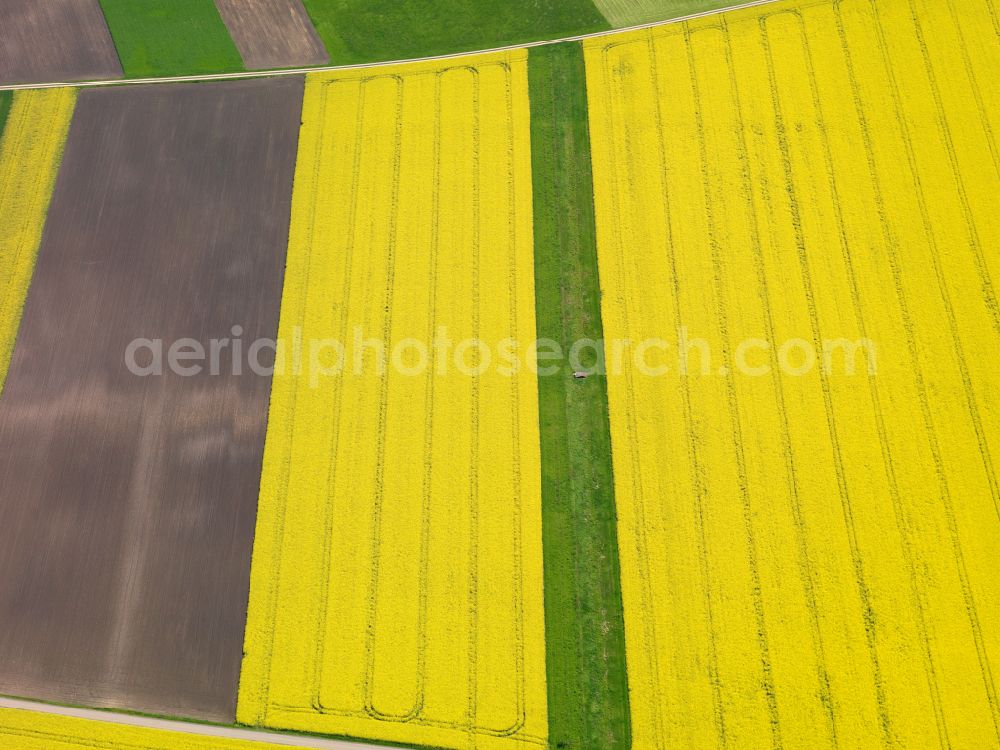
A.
pixel 580 375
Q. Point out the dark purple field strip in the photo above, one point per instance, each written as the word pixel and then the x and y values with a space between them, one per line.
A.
pixel 272 33
pixel 128 503
pixel 55 40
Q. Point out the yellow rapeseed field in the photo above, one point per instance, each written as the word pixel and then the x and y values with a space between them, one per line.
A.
pixel 396 590
pixel 28 730
pixel 30 151
pixel 809 557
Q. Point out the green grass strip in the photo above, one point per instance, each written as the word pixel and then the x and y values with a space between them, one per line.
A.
pixel 584 630
pixel 170 37
pixel 6 97
pixel 356 31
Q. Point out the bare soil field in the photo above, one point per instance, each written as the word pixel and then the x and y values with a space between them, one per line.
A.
pixel 127 503
pixel 55 40
pixel 272 33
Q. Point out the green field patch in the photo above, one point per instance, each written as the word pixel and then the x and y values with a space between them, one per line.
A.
pixel 370 30
pixel 584 626
pixel 170 37
pixel 5 99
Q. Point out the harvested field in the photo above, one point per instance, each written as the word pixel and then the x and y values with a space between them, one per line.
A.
pixel 55 40
pixel 621 13
pixel 127 503
pixel 170 37
pixel 272 33
pixel 396 591
pixel 30 150
pixel 809 555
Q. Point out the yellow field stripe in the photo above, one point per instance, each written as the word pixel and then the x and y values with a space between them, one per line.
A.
pixel 396 589
pixel 28 730
pixel 30 152
pixel 806 558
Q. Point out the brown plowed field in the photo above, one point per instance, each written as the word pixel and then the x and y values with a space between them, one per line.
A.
pixel 127 503
pixel 55 40
pixel 272 33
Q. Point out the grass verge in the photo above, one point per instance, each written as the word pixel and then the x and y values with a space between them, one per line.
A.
pixel 584 628
pixel 356 31
pixel 170 37
pixel 5 99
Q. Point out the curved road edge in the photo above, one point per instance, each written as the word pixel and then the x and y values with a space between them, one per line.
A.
pixel 178 726
pixel 333 68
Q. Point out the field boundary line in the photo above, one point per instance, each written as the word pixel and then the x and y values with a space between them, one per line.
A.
pixel 237 75
pixel 219 731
